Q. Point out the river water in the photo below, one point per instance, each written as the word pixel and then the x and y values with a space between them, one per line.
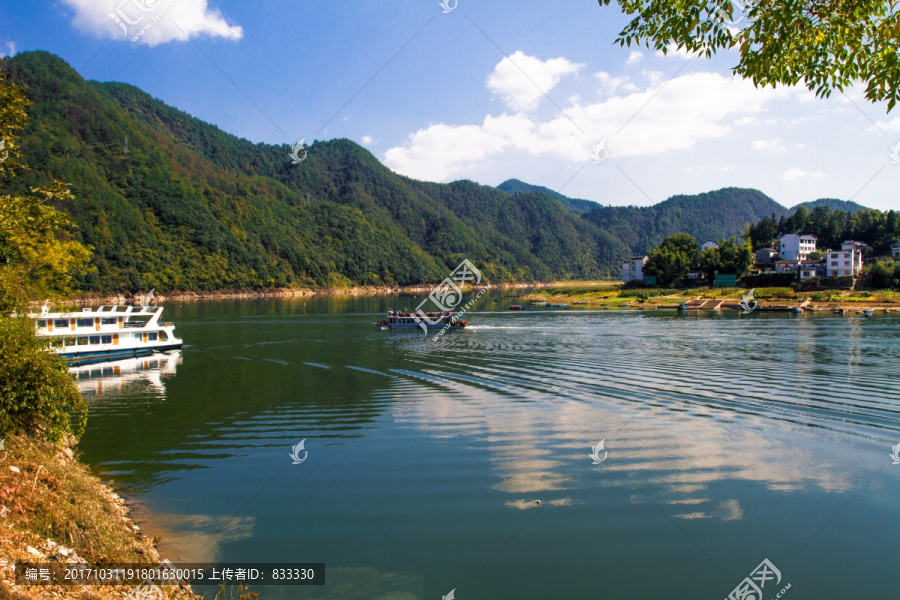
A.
pixel 464 463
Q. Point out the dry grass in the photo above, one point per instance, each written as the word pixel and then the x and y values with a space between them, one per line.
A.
pixel 53 509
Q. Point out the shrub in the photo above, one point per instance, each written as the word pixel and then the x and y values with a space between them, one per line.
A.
pixel 37 396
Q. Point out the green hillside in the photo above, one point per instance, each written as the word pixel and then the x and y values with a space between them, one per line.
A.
pixel 189 206
pixel 184 205
pixel 710 216
pixel 834 204
pixel 573 205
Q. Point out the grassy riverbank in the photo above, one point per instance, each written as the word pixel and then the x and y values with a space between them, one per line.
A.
pixel 53 509
pixel 609 295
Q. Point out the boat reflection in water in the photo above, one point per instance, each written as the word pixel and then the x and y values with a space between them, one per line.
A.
pixel 116 376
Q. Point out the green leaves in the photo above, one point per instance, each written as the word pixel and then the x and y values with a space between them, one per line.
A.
pixel 39 258
pixel 826 45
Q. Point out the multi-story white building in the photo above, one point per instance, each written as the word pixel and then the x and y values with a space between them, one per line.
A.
pixel 895 251
pixel 845 262
pixel 633 269
pixel 797 247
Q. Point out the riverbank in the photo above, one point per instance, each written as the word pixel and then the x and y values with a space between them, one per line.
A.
pixel 250 294
pixel 53 509
pixel 611 296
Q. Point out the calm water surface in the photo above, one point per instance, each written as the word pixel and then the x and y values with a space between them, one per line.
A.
pixel 465 463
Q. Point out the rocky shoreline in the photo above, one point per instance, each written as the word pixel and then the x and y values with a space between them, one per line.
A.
pixel 55 510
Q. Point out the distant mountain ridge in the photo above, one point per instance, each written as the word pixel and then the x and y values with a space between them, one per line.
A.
pixel 847 206
pixel 573 205
pixel 185 205
pixel 709 216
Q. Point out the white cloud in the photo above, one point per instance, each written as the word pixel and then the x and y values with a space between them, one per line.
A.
pixel 794 175
pixel 891 125
pixel 635 57
pixel 745 121
pixel 151 22
pixel 655 78
pixel 610 85
pixel 367 140
pixel 9 48
pixel 691 108
pixel 522 80
pixel 443 151
pixel 769 145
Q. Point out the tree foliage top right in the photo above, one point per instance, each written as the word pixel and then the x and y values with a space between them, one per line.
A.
pixel 825 45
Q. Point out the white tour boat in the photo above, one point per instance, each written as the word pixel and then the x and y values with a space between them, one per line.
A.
pixel 106 332
pixel 404 320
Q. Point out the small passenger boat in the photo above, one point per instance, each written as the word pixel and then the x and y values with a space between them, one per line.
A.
pixel 868 313
pixel 405 320
pixel 515 307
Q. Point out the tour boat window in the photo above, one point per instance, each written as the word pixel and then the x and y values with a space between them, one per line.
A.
pixel 82 341
pixel 42 324
pixel 85 322
pixel 61 323
pixel 106 339
pixel 138 336
pixel 151 337
pixel 108 321
pixel 163 336
pixel 94 339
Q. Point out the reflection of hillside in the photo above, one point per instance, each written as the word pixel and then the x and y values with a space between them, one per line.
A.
pixel 116 377
pixel 245 394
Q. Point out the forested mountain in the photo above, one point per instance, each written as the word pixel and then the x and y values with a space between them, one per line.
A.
pixel 834 204
pixel 573 205
pixel 169 201
pixel 710 216
pixel 189 206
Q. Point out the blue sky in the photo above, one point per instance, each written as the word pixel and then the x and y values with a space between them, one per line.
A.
pixel 487 91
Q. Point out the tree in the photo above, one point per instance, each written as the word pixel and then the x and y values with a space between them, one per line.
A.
pixel 763 233
pixel 730 257
pixel 825 45
pixel 885 274
pixel 38 257
pixel 672 259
